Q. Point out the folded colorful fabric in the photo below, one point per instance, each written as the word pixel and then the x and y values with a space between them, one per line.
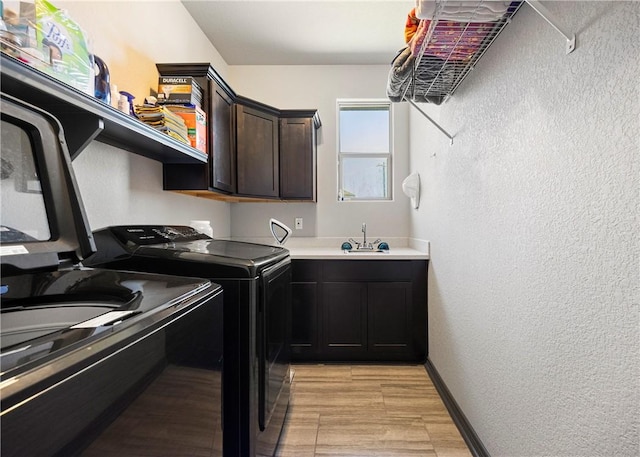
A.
pixel 462 11
pixel 449 40
pixel 400 74
pixel 411 25
pixel 405 79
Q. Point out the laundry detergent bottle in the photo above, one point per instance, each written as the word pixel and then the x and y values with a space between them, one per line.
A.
pixel 102 88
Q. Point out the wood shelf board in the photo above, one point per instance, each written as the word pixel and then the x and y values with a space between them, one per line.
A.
pixel 65 102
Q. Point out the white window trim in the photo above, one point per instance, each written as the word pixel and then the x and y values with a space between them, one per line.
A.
pixel 355 102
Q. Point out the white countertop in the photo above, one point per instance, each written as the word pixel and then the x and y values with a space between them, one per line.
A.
pixel 329 249
pixel 334 253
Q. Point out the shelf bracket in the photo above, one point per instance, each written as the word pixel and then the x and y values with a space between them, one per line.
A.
pixel 86 128
pixel 547 16
pixel 412 103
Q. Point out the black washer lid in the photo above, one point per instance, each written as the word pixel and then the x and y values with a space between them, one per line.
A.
pixel 43 221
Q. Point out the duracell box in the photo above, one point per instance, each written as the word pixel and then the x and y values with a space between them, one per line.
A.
pixel 179 90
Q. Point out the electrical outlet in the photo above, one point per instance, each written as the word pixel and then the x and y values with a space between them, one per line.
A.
pixel 298 223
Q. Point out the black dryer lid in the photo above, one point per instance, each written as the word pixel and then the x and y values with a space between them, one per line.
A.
pixel 129 245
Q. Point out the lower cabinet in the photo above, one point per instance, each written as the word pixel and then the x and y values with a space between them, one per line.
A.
pixel 304 318
pixel 359 310
pixel 305 309
pixel 390 310
pixel 344 318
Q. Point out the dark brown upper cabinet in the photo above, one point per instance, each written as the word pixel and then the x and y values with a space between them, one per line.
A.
pixel 218 174
pixel 298 151
pixel 221 128
pixel 256 152
pixel 257 156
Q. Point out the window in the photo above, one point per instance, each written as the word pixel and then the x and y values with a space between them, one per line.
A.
pixel 364 150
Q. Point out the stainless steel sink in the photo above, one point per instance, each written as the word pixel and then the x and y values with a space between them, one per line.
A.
pixel 365 251
pixel 376 247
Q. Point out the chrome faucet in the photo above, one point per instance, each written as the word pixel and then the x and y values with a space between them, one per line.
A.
pixel 364 245
pixel 364 231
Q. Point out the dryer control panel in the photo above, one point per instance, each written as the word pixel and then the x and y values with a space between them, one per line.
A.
pixel 142 235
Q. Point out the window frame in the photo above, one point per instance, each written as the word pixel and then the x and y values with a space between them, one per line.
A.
pixel 364 103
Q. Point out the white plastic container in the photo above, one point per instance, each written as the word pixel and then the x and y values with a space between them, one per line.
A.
pixel 115 96
pixel 123 104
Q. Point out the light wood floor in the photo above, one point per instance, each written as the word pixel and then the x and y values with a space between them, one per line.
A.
pixel 367 411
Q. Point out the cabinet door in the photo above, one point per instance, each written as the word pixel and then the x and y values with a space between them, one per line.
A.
pixel 297 159
pixel 304 319
pixel 222 150
pixel 389 317
pixel 344 308
pixel 257 152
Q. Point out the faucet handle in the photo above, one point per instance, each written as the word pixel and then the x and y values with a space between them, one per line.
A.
pixel 364 227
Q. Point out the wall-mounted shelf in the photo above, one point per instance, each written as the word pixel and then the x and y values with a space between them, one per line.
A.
pixel 85 118
pixel 448 41
pixel 570 37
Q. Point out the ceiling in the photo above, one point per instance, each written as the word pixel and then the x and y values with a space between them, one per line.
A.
pixel 303 32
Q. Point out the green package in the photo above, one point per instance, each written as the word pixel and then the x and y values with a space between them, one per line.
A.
pixel 64 47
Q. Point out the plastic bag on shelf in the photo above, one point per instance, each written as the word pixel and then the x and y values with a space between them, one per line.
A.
pixel 46 38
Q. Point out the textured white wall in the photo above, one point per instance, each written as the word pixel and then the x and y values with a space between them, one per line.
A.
pixel 118 187
pixel 319 86
pixel 533 220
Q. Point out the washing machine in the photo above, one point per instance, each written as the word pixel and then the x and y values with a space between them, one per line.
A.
pixel 93 361
pixel 256 279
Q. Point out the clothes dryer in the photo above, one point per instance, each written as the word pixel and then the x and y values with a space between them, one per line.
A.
pixel 256 280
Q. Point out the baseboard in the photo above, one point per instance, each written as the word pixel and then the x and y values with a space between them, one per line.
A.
pixel 466 430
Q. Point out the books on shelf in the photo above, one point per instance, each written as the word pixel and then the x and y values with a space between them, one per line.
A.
pixel 164 120
pixel 176 109
pixel 196 121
